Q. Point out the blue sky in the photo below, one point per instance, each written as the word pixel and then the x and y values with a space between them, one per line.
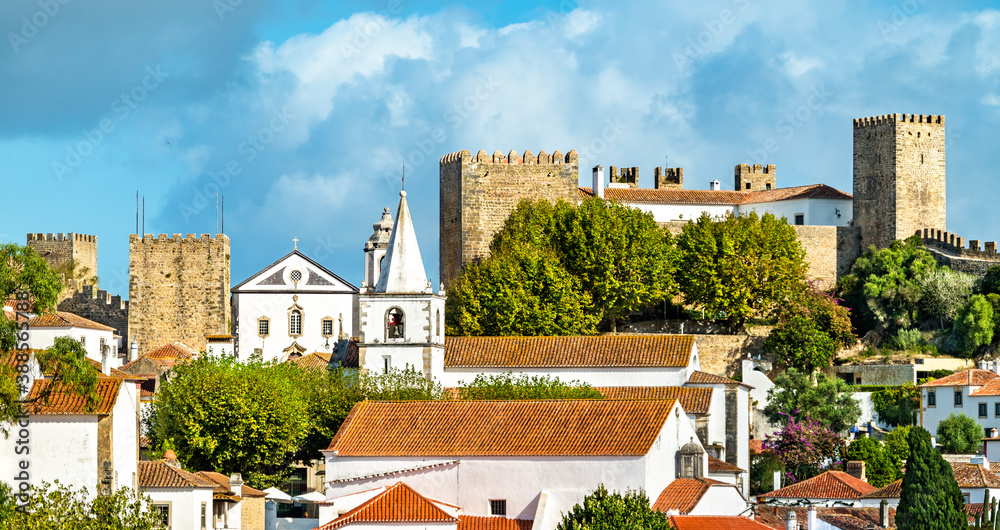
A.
pixel 303 113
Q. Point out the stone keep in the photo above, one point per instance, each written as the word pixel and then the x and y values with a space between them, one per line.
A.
pixel 479 192
pixel 60 249
pixel 178 290
pixel 754 177
pixel 899 176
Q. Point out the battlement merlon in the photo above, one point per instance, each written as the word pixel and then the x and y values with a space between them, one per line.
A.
pixel 176 238
pixel 528 158
pixel 71 236
pixel 668 177
pixel 755 169
pixel 934 119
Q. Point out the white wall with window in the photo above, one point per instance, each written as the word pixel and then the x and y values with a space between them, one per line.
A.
pixel 954 395
pixel 95 338
pixel 183 507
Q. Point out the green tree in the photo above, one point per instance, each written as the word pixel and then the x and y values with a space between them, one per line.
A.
pixel 883 288
pixel 897 405
pixel 800 342
pixel 930 497
pixel 762 468
pixel 880 468
pixel 959 434
pixel 828 401
pixel 975 323
pixel 991 281
pixel 508 386
pixel 741 266
pixel 602 510
pixel 226 416
pixel 944 292
pixel 897 445
pixel 56 506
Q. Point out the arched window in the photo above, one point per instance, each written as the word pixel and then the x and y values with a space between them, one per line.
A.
pixel 295 322
pixel 394 324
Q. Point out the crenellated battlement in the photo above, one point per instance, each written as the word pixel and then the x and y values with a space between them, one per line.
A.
pixel 755 177
pixel 178 238
pixel 668 177
pixel 898 118
pixel 72 236
pixel 513 158
pixel 950 249
pixel 628 176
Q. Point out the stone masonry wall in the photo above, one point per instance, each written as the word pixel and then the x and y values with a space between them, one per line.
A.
pixel 59 249
pixel 99 306
pixel 721 354
pixel 479 192
pixel 178 289
pixel 950 250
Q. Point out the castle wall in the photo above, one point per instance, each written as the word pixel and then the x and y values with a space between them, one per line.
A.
pixel 950 250
pixel 59 249
pixel 101 307
pixel 479 192
pixel 754 178
pixel 178 289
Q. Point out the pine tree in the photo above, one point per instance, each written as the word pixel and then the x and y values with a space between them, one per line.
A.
pixel 930 498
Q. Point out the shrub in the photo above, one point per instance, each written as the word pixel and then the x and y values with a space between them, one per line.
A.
pixel 959 434
pixel 908 339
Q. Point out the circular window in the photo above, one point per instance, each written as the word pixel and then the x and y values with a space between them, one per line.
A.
pixel 295 276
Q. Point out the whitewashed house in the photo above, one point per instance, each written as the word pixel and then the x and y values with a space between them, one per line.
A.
pixel 292 307
pixel 701 496
pixel 975 393
pixel 529 460
pixel 99 340
pixel 182 500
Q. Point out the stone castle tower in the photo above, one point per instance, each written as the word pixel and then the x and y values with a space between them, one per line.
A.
pixel 61 249
pixel 899 176
pixel 178 290
pixel 755 177
pixel 479 192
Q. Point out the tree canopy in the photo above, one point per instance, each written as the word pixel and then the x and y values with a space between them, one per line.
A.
pixel 828 401
pixel 602 510
pixel 959 434
pixel 898 405
pixel 930 498
pixel 740 266
pixel 881 468
pixel 57 506
pixel 508 386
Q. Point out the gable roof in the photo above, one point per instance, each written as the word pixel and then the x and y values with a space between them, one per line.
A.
pixel 582 351
pixel 694 400
pixel 704 378
pixel 399 503
pixel 62 319
pixel 974 476
pixel 829 485
pixel 114 372
pixel 715 522
pixel 501 428
pixel 159 474
pixel 719 466
pixel 403 271
pixel 989 389
pixel 971 377
pixel 165 356
pixel 63 401
pixel 889 491
pixel 716 197
pixel 318 360
pixel 684 494
pixel 283 258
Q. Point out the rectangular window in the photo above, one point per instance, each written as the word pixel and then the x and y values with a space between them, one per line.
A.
pixel 204 516
pixel 958 398
pixel 327 327
pixel 982 410
pixel 931 399
pixel 800 219
pixel 103 344
pixel 163 511
pixel 83 341
pixel 996 410
pixel 263 327
pixel 386 364
pixel 498 507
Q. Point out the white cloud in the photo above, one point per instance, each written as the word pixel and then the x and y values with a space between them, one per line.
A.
pixel 580 22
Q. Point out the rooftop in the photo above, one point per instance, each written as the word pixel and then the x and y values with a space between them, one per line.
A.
pixel 974 476
pixel 693 400
pixel 719 466
pixel 62 319
pixel 399 503
pixel 61 400
pixel 684 494
pixel 715 522
pixel 829 485
pixel 160 474
pixel 596 351
pixel 971 377
pixel 716 197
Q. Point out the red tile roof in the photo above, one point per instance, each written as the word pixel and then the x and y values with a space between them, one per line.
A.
pixel 829 485
pixel 756 446
pixel 974 476
pixel 115 373
pixel 62 319
pixel 718 466
pixel 501 428
pixel 715 522
pixel 62 401
pixel 694 400
pixel 147 387
pixel 716 197
pixel 319 360
pixel 171 351
pixel 705 378
pixel 683 494
pixel 972 377
pixel 889 491
pixel 159 474
pixel 598 351
pixel 990 389
pixel 399 503
pixel 467 522
pixel 773 515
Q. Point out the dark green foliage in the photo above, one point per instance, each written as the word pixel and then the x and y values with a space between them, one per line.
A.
pixel 975 324
pixel 959 434
pixel 745 266
pixel 828 401
pixel 881 468
pixel 897 446
pixel 67 360
pixel 602 510
pixel 990 284
pixel 883 289
pixel 897 405
pixel 507 386
pixel 930 498
pixel 762 468
pixel 800 343
pixel 57 507
pixel 986 519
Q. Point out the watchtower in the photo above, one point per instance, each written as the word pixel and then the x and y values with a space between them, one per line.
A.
pixel 755 177
pixel 62 250
pixel 899 176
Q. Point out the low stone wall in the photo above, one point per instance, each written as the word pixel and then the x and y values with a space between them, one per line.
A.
pixel 721 354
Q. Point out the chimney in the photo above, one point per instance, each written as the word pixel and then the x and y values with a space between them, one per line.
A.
pixel 811 519
pixel 856 469
pixel 883 514
pixel 715 185
pixel 776 484
pixel 105 361
pixel 235 482
pixel 599 181
pixel 171 458
pixel 133 350
pixel 790 522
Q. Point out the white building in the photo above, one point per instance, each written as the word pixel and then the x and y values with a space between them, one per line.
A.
pixel 99 340
pixel 183 500
pixel 516 459
pixel 293 307
pixel 401 318
pixel 701 496
pixel 80 446
pixel 975 393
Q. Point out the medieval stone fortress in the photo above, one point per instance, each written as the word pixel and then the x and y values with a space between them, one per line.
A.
pixel 680 418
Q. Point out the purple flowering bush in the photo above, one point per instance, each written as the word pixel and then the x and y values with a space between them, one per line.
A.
pixel 806 448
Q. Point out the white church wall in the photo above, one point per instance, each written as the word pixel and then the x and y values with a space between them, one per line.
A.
pixel 277 306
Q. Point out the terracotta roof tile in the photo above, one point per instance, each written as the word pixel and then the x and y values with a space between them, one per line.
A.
pixel 159 474
pixel 501 428
pixel 62 401
pixel 318 360
pixel 829 485
pixel 715 522
pixel 577 351
pixel 716 197
pixel 773 515
pixel 467 522
pixel 719 466
pixel 221 481
pixel 705 378
pixel 972 377
pixel 889 491
pixel 62 319
pixel 989 389
pixel 694 400
pixel 147 387
pixel 974 476
pixel 683 494
pixel 115 373
pixel 756 446
pixel 171 351
pixel 399 503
